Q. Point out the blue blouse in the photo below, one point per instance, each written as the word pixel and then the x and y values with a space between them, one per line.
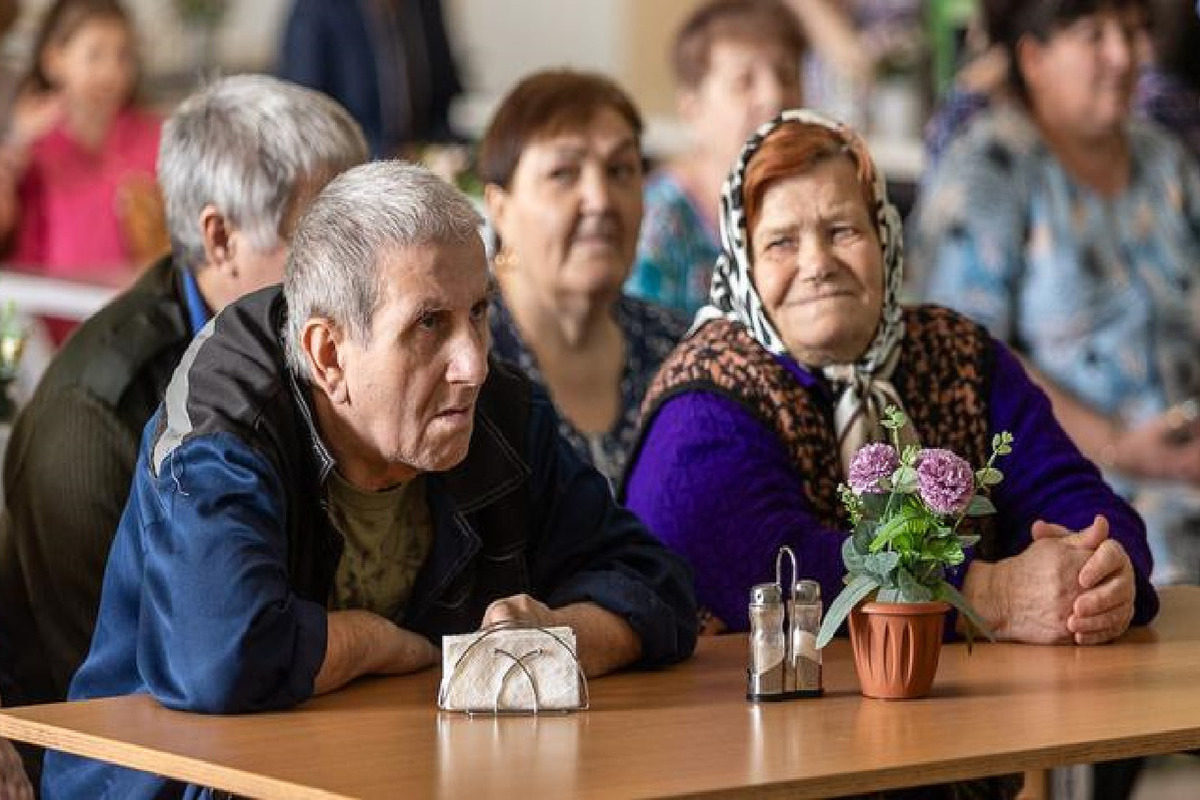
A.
pixel 1101 294
pixel 650 333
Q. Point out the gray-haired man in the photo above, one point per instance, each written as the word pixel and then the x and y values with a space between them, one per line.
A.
pixel 339 475
pixel 237 163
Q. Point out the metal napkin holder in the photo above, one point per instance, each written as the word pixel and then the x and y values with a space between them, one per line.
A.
pixel 509 668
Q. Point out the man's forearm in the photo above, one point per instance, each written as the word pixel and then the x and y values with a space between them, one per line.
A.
pixel 361 643
pixel 605 641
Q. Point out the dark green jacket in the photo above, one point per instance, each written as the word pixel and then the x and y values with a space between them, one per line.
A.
pixel 67 473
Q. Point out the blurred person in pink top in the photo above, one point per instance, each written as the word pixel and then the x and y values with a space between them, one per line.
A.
pixel 82 164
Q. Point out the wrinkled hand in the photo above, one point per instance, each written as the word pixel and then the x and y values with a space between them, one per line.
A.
pixel 1104 607
pixel 13 783
pixel 521 609
pixel 1164 448
pixel 1038 588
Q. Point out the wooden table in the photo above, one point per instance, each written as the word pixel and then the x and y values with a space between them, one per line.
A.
pixel 682 731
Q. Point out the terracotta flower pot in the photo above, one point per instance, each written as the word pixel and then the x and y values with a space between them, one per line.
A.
pixel 896 647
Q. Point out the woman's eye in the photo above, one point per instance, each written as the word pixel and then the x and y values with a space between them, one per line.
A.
pixel 479 312
pixel 624 171
pixel 563 174
pixel 427 322
pixel 844 233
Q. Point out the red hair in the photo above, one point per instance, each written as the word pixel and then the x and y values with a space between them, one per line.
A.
pixel 792 149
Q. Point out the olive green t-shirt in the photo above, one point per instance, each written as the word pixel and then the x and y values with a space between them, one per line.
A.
pixel 387 536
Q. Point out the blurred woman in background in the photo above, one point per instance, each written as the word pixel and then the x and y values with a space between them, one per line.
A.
pixel 561 163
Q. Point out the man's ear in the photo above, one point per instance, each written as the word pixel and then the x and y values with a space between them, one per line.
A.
pixel 323 343
pixel 219 245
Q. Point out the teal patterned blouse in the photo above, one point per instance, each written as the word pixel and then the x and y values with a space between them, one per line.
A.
pixel 1101 294
pixel 676 251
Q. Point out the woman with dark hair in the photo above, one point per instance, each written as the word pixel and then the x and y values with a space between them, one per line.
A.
pixel 562 166
pixel 1072 231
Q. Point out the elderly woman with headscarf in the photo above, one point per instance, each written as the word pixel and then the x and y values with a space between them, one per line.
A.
pixel 751 422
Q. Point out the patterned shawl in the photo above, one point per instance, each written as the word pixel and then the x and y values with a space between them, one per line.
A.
pixel 864 387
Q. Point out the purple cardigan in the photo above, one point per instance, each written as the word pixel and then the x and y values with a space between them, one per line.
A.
pixel 715 485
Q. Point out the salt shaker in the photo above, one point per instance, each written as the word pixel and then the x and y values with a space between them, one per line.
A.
pixel 804 622
pixel 784 660
pixel 768 645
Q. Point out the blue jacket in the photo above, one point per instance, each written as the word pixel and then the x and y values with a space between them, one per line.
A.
pixel 214 595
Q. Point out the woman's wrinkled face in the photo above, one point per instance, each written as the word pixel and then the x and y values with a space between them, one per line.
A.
pixel 747 83
pixel 97 66
pixel 571 213
pixel 1082 78
pixel 817 263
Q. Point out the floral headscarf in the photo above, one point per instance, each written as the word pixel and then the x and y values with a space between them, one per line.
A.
pixel 864 386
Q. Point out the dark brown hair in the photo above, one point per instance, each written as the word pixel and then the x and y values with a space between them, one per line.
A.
pixel 792 149
pixel 62 21
pixel 9 11
pixel 743 20
pixel 545 104
pixel 1009 21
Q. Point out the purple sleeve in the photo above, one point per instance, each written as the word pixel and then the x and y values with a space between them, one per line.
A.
pixel 1047 478
pixel 716 486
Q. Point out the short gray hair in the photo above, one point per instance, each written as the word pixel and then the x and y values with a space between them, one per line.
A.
pixel 244 144
pixel 333 270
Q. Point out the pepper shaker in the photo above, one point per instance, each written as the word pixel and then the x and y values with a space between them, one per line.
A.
pixel 804 622
pixel 765 677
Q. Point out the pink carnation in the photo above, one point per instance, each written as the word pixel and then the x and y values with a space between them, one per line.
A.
pixel 945 481
pixel 870 464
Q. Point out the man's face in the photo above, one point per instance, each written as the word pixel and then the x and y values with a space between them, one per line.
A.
pixel 411 389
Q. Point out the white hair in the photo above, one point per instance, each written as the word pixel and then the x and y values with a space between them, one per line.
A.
pixel 244 144
pixel 367 212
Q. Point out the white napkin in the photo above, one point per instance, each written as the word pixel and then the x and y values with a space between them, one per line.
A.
pixel 485 679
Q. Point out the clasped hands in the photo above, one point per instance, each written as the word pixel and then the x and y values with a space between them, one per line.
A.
pixel 1065 587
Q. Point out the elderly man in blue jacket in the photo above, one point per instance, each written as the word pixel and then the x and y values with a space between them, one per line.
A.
pixel 339 475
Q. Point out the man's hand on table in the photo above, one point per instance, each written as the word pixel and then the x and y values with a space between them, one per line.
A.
pixel 361 643
pixel 605 641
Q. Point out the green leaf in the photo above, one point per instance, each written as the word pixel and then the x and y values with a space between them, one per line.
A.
pixel 909 457
pixel 975 622
pixel 904 480
pixel 911 590
pixel 988 476
pixel 881 565
pixel 968 540
pixel 851 557
pixel 842 605
pixel 873 505
pixel 980 506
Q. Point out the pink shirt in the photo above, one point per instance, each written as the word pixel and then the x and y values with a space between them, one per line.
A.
pixel 69 225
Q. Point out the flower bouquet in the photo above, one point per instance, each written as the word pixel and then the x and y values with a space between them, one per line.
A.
pixel 906 505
